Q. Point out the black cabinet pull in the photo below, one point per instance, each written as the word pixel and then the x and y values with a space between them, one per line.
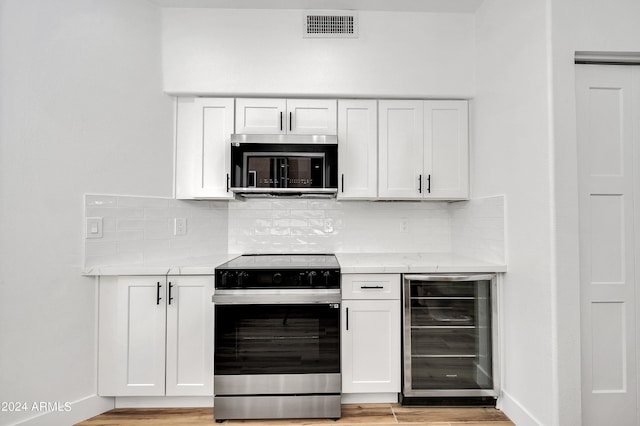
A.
pixel 228 181
pixel 170 296
pixel 419 184
pixel 290 121
pixel 372 286
pixel 343 182
pixel 347 319
pixel 280 120
pixel 158 298
pixel 429 184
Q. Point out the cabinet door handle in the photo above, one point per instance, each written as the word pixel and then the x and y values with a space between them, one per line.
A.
pixel 371 286
pixel 419 184
pixel 170 296
pixel 347 319
pixel 290 121
pixel 158 298
pixel 228 181
pixel 280 120
pixel 429 184
pixel 342 182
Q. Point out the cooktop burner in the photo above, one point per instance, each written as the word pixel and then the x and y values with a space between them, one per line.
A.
pixel 282 261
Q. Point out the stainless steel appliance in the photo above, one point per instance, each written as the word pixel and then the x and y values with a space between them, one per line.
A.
pixel 284 165
pixel 450 339
pixel 277 337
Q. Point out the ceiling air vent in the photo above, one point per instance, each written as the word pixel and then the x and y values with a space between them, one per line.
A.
pixel 330 24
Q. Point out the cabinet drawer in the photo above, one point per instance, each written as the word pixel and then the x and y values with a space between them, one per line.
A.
pixel 371 286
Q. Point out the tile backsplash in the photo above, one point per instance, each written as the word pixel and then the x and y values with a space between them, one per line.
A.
pixel 139 230
pixel 328 226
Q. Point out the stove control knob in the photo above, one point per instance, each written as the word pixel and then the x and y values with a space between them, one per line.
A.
pixel 277 278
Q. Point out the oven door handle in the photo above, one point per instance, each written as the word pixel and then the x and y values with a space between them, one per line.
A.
pixel 332 299
pixel 477 277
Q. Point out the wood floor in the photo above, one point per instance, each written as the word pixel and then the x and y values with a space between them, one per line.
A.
pixel 352 414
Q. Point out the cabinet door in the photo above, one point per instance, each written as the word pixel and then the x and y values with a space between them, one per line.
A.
pixel 371 346
pixel 358 149
pixel 203 144
pixel 311 116
pixel 189 336
pixel 261 116
pixel 132 336
pixel 400 149
pixel 446 150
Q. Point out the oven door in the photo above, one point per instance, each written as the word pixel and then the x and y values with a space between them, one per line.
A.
pixel 277 348
pixel 277 339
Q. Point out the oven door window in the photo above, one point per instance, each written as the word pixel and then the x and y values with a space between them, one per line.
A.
pixel 277 339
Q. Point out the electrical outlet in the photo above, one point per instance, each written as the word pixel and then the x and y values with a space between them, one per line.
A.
pixel 179 226
pixel 404 225
pixel 328 226
pixel 93 227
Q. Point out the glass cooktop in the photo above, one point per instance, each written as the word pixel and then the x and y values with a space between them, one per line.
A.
pixel 282 261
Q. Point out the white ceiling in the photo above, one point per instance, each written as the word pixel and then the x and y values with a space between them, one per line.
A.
pixel 444 6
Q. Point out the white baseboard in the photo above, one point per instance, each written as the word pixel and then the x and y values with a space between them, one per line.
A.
pixel 163 401
pixel 68 413
pixel 369 398
pixel 515 411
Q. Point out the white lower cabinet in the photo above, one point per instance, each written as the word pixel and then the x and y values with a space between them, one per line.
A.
pixel 155 336
pixel 371 333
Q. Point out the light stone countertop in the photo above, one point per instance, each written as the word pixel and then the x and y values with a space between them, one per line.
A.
pixel 188 266
pixel 378 263
pixel 350 263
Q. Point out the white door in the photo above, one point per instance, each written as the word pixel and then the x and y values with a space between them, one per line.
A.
pixel 312 116
pixel 261 116
pixel 400 149
pixel 371 346
pixel 132 336
pixel 608 113
pixel 357 149
pixel 189 336
pixel 446 150
pixel 203 147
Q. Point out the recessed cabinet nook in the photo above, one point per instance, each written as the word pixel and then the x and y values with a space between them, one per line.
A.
pixel 387 149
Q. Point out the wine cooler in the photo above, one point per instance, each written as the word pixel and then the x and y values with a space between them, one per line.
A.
pixel 450 339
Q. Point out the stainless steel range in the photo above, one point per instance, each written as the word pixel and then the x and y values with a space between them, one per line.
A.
pixel 277 337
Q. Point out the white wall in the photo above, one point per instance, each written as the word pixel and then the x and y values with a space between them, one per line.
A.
pixel 577 25
pixel 511 155
pixel 81 110
pixel 263 52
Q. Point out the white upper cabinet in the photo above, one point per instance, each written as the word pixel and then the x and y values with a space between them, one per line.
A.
pixel 401 149
pixel 446 150
pixel 203 148
pixel 424 150
pixel 286 116
pixel 357 149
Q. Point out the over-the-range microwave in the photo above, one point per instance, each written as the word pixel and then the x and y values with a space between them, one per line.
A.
pixel 284 165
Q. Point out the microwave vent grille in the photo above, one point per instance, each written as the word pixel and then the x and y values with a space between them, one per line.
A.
pixel 330 25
